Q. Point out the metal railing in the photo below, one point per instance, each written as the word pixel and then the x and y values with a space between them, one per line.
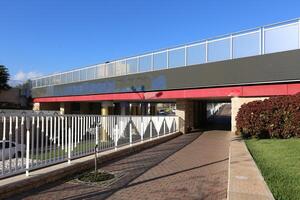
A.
pixel 263 40
pixel 38 140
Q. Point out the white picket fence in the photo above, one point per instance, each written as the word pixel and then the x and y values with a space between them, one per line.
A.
pixel 38 140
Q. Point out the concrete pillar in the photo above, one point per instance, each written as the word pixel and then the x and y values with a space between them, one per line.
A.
pixel 36 106
pixel 149 109
pixel 184 110
pixel 105 107
pixel 236 103
pixel 62 108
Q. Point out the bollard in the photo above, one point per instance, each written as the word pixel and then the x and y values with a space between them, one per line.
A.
pixel 96 151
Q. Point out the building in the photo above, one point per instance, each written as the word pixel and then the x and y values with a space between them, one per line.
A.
pixel 232 69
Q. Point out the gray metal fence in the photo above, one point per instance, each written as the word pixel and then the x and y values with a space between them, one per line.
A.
pixel 34 141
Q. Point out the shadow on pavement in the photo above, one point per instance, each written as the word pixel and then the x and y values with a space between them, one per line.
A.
pixel 131 166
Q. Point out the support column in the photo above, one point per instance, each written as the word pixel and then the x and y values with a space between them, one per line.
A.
pixel 62 108
pixel 184 111
pixel 36 107
pixel 105 106
pixel 236 103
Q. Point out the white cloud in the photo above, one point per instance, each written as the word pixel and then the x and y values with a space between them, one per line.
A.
pixel 24 76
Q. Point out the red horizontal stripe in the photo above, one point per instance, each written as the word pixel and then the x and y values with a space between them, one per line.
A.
pixel 241 91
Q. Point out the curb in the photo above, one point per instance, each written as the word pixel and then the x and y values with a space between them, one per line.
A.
pixel 245 180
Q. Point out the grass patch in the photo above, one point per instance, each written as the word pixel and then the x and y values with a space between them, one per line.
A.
pixel 82 147
pixel 91 177
pixel 279 163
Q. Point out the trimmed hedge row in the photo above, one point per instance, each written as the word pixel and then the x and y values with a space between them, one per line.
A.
pixel 276 117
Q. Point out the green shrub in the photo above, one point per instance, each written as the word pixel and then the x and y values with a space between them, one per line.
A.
pixel 276 117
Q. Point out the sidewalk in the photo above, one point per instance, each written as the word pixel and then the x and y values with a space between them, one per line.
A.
pixel 245 179
pixel 192 166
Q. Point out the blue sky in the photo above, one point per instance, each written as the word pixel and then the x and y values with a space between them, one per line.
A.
pixel 45 36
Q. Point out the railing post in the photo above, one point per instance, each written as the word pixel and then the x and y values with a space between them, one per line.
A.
pixel 130 131
pixel 116 136
pixel 97 134
pixel 69 146
pixel 151 128
pixel 164 126
pixel 72 134
pixel 27 146
pixel 142 129
pixel 10 139
pixel 298 33
pixel 262 41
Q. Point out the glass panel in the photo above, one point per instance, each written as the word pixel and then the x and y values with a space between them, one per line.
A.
pixel 160 61
pixel 63 78
pixel 76 76
pixel 69 77
pixel 110 69
pixel 33 82
pixel 50 80
pixel 282 38
pixel 91 72
pixel 145 63
pixel 196 54
pixel 56 79
pixel 39 83
pixel 131 65
pixel 82 74
pixel 219 50
pixel 121 67
pixel 100 71
pixel 46 82
pixel 177 58
pixel 246 45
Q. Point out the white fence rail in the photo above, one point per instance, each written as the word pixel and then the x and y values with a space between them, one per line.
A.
pixel 34 141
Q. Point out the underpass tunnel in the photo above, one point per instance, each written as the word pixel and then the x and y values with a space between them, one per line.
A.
pixel 208 114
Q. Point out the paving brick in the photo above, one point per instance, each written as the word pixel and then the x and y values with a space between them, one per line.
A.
pixel 192 166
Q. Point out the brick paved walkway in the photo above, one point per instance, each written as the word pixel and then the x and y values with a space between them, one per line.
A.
pixel 192 166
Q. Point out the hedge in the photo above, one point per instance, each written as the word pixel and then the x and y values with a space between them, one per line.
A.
pixel 276 117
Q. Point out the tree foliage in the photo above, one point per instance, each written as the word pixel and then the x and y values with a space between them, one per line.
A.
pixel 4 77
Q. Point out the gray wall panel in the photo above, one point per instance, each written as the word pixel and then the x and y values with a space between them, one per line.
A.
pixel 283 66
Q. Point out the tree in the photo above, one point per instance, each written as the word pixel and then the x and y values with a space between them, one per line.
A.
pixel 4 77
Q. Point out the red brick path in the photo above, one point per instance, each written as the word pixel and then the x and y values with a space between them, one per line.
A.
pixel 192 166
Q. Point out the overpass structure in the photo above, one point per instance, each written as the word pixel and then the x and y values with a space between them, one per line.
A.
pixel 235 68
